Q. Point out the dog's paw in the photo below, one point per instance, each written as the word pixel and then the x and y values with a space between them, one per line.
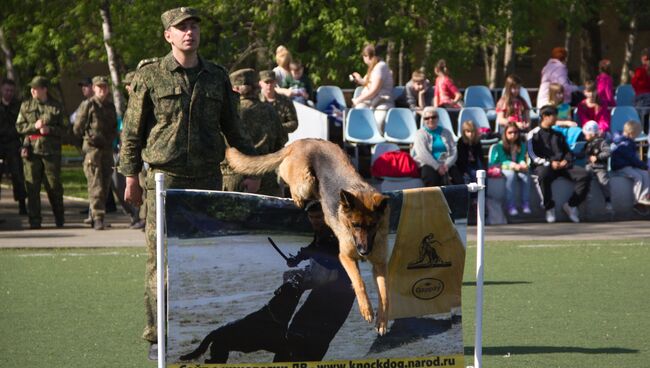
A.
pixel 381 326
pixel 366 312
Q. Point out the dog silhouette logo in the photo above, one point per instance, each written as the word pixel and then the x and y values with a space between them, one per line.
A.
pixel 428 256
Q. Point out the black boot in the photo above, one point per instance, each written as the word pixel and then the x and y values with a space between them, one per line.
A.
pixel 22 209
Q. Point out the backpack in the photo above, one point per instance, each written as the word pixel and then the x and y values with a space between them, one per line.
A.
pixel 395 164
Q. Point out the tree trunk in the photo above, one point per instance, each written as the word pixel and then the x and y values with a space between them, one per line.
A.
pixel 427 52
pixel 111 55
pixel 629 48
pixel 400 60
pixel 9 57
pixel 494 60
pixel 569 27
pixel 508 52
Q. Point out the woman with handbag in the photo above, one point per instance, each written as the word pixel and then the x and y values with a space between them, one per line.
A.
pixel 509 157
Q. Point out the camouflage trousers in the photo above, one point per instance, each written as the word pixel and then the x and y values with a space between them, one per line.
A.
pixel 98 167
pixel 10 154
pixel 171 182
pixel 42 169
pixel 268 186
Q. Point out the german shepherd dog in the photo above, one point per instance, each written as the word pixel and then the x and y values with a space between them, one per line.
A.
pixel 316 169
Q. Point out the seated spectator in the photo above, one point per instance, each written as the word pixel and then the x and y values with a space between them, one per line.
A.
pixel 556 98
pixel 377 93
pixel 434 151
pixel 511 107
pixel 641 80
pixel 419 93
pixel 555 71
pixel 445 93
pixel 591 109
pixel 550 159
pixel 299 84
pixel 470 154
pixel 509 156
pixel 597 153
pixel 605 84
pixel 626 162
pixel 282 70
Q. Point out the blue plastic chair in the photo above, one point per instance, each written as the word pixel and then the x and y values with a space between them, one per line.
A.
pixel 398 91
pixel 534 114
pixel 361 128
pixel 480 96
pixel 400 126
pixel 621 115
pixel 357 92
pixel 445 121
pixel 478 116
pixel 624 95
pixel 325 95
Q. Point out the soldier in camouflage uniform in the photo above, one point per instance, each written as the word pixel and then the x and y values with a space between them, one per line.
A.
pixel 41 125
pixel 281 103
pixel 180 109
pixel 264 127
pixel 10 143
pixel 96 122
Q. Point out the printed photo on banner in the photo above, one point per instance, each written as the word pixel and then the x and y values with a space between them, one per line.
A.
pixel 255 281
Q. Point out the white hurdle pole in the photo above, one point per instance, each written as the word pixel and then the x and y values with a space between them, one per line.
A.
pixel 479 188
pixel 160 266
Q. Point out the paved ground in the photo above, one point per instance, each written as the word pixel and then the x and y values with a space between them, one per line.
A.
pixel 15 232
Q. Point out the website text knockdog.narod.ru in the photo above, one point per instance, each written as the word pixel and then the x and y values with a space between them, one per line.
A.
pixel 454 361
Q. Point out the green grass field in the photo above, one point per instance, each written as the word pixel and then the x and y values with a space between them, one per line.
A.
pixel 558 304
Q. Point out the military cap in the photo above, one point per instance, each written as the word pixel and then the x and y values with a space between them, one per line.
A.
pixel 86 81
pixel 128 78
pixel 99 79
pixel 174 16
pixel 246 77
pixel 39 81
pixel 266 75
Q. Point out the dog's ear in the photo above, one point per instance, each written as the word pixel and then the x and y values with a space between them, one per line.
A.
pixel 381 201
pixel 347 200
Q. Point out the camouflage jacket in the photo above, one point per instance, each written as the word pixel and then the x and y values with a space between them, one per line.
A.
pixel 284 107
pixel 96 122
pixel 51 113
pixel 8 116
pixel 263 126
pixel 176 131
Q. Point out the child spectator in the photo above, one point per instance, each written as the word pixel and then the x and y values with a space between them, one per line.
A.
pixel 509 155
pixel 470 155
pixel 626 162
pixel 419 93
pixel 298 83
pixel 550 159
pixel 591 109
pixel 597 153
pixel 605 84
pixel 556 98
pixel 435 152
pixel 511 107
pixel 445 93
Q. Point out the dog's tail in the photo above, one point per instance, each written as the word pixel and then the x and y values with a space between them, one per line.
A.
pixel 200 350
pixel 255 165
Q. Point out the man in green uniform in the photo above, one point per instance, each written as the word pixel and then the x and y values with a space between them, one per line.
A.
pixel 40 123
pixel 96 123
pixel 282 104
pixel 180 109
pixel 10 143
pixel 264 127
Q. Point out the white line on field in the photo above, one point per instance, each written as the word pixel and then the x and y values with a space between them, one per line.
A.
pixel 58 254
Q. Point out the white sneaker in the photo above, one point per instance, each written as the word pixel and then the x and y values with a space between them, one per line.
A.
pixel 550 215
pixel 572 212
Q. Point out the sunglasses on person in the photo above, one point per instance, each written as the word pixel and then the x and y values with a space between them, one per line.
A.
pixel 432 117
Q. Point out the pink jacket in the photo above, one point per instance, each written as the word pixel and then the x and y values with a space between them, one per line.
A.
pixel 554 72
pixel 599 114
pixel 605 88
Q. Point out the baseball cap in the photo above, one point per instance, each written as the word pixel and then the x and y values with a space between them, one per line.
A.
pixel 86 81
pixel 174 16
pixel 266 75
pixel 99 80
pixel 39 81
pixel 243 77
pixel 590 127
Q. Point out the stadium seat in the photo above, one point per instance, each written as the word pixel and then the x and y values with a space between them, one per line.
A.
pixel 623 114
pixel 534 114
pixel 480 96
pixel 400 126
pixel 445 121
pixel 325 95
pixel 479 118
pixel 624 95
pixel 357 92
pixel 390 183
pixel 361 128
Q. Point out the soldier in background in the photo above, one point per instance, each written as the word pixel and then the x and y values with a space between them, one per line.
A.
pixel 282 104
pixel 10 143
pixel 96 122
pixel 41 125
pixel 180 110
pixel 262 124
